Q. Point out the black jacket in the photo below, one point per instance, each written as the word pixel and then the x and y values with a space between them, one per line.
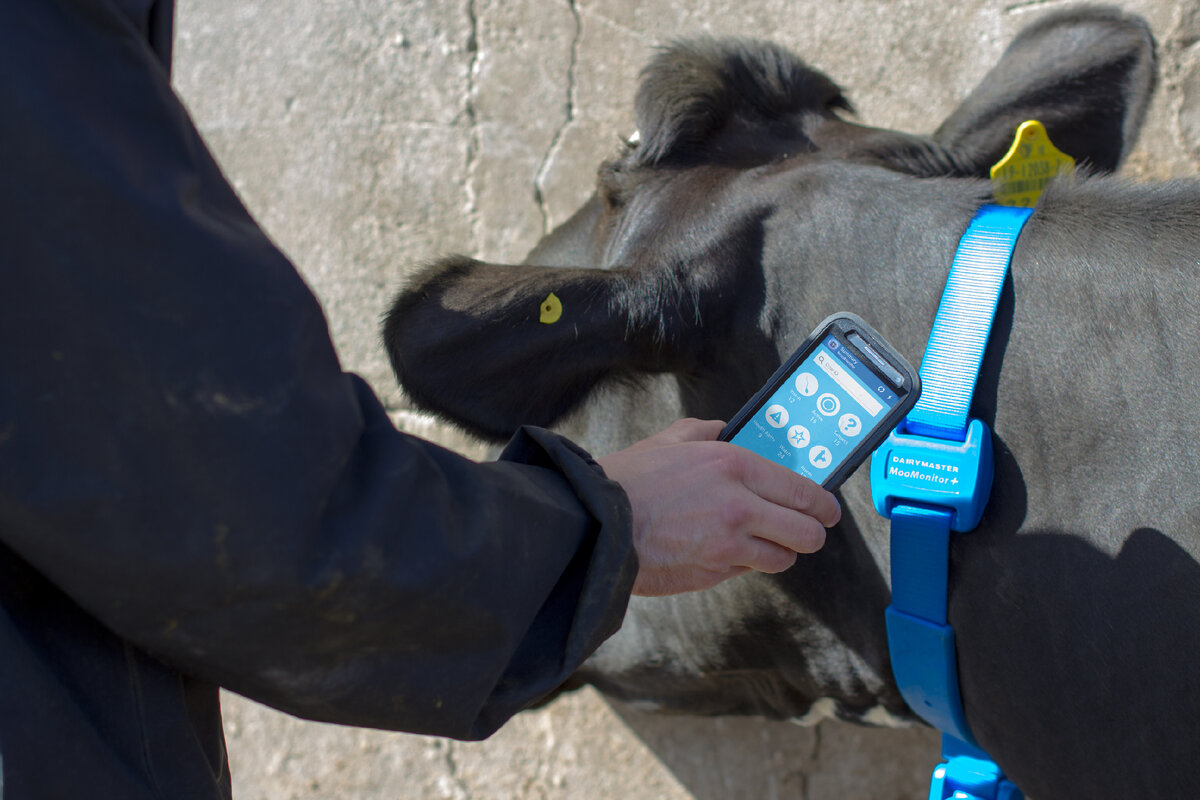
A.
pixel 193 493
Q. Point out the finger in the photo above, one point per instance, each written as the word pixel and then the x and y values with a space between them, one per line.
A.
pixel 765 556
pixel 792 530
pixel 777 484
pixel 757 527
pixel 777 525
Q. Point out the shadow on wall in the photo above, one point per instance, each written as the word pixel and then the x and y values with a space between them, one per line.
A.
pixel 782 760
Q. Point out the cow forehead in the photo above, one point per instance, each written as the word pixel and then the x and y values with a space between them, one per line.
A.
pixel 696 89
pixel 680 216
pixel 679 211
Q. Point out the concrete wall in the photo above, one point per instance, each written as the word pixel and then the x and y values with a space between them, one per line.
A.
pixel 368 136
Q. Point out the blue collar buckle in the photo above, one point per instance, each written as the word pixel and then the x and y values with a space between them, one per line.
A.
pixel 929 471
pixel 969 774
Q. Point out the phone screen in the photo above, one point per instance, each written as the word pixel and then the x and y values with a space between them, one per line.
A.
pixel 824 408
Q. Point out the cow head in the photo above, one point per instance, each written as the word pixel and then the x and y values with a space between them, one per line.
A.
pixel 740 190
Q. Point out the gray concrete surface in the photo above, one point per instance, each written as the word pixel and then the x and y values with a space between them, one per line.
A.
pixel 369 136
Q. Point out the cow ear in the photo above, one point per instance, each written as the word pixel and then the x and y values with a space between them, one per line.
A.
pixel 1087 74
pixel 492 347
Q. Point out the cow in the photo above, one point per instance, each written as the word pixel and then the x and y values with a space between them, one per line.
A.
pixel 749 207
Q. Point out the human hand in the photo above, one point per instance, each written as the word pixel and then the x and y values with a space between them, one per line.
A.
pixel 705 511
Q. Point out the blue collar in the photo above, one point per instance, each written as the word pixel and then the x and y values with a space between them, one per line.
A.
pixel 934 475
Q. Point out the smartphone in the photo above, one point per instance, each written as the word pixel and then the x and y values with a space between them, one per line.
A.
pixel 831 404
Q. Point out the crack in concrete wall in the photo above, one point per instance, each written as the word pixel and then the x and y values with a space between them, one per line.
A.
pixel 1034 5
pixel 460 789
pixel 473 145
pixel 539 179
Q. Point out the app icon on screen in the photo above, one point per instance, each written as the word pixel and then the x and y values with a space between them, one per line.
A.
pixel 820 457
pixel 828 404
pixel 806 384
pixel 799 437
pixel 777 416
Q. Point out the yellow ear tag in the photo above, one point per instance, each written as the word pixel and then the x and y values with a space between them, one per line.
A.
pixel 1019 178
pixel 551 309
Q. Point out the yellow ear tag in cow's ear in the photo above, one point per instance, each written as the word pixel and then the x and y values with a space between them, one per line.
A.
pixel 1019 178
pixel 551 309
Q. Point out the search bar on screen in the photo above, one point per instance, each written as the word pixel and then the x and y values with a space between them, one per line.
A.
pixel 851 386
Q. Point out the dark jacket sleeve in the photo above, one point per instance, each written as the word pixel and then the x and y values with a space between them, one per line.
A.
pixel 181 453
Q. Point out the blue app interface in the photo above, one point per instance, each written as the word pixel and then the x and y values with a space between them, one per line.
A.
pixel 816 417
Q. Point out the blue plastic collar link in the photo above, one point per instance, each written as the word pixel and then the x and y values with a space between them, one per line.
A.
pixel 920 640
pixel 969 774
